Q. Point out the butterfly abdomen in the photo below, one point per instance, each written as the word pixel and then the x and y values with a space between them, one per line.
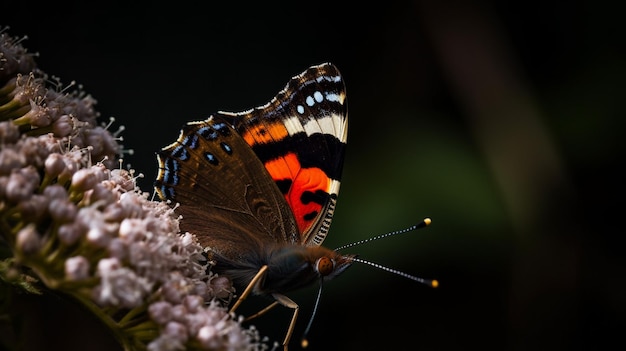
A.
pixel 290 267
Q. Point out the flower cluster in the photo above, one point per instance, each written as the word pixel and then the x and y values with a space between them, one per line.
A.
pixel 77 225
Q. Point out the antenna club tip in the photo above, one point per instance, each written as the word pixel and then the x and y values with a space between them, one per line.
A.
pixel 434 283
pixel 427 221
pixel 304 343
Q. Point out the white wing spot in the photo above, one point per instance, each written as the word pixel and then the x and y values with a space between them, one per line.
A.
pixel 293 125
pixel 309 101
pixel 332 97
pixel 312 127
pixel 318 96
pixel 333 124
pixel 300 109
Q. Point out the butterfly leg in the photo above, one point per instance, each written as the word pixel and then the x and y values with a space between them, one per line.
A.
pixel 249 288
pixel 280 299
pixel 262 312
pixel 287 302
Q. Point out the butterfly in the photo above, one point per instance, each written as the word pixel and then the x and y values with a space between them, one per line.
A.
pixel 259 187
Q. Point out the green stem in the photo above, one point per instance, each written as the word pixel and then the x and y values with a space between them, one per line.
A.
pixel 120 335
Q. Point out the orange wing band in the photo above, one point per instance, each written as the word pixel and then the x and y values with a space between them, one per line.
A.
pixel 303 196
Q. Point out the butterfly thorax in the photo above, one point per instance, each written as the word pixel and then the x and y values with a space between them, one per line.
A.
pixel 290 267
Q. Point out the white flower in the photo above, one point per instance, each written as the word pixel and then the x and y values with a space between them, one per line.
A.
pixel 119 286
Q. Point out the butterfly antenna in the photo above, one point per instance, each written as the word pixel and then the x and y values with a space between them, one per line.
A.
pixel 305 342
pixel 430 282
pixel 424 223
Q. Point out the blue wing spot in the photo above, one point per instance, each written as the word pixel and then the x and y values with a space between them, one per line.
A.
pixel 191 141
pixel 211 158
pixel 170 175
pixel 168 191
pixel 207 133
pixel 180 152
pixel 226 148
pixel 222 128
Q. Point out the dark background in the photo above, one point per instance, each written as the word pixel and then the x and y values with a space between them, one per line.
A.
pixel 502 121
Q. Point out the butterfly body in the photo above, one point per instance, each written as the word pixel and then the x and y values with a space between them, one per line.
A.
pixel 289 267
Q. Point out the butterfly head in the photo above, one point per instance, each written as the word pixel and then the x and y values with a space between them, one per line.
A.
pixel 329 264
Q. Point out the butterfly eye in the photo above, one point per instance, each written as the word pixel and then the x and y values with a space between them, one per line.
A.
pixel 324 266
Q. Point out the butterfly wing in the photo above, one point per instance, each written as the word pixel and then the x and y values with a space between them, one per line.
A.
pixel 224 192
pixel 270 174
pixel 300 137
